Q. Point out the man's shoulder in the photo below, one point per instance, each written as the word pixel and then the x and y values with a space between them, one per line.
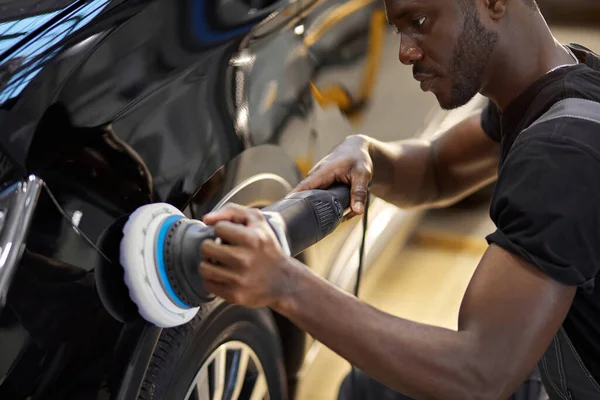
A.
pixel 573 121
pixel 545 199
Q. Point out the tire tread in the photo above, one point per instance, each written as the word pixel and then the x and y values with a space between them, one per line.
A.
pixel 165 356
pixel 173 343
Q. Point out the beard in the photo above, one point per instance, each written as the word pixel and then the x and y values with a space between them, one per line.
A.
pixel 471 57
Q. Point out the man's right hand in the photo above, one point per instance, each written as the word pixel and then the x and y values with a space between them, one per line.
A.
pixel 349 163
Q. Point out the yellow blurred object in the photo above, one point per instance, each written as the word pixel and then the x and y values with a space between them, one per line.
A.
pixel 336 95
pixel 305 163
pixel 336 16
pixel 331 95
pixel 376 38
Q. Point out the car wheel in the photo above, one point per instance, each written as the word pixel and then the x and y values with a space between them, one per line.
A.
pixel 225 352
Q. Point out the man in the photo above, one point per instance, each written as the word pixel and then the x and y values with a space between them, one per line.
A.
pixel 532 298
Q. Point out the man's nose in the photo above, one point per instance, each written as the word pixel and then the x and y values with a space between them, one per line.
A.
pixel 410 53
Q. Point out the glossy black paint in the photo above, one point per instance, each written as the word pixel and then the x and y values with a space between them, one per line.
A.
pixel 116 104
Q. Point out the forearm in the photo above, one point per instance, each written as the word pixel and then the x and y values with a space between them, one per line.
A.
pixel 434 173
pixel 403 172
pixel 418 360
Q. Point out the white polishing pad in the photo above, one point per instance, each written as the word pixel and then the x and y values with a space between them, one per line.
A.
pixel 138 258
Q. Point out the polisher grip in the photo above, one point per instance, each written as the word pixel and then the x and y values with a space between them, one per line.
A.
pixel 311 215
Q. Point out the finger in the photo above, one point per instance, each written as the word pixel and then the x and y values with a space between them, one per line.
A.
pixel 214 273
pixel 318 181
pixel 358 192
pixel 324 180
pixel 219 289
pixel 230 212
pixel 221 283
pixel 228 293
pixel 221 253
pixel 234 234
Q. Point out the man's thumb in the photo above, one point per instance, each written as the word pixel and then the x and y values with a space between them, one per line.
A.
pixel 358 197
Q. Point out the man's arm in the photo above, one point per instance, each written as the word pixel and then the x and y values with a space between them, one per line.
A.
pixel 509 315
pixel 411 173
pixel 436 172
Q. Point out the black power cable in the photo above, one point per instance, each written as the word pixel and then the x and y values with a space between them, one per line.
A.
pixel 361 257
pixel 361 254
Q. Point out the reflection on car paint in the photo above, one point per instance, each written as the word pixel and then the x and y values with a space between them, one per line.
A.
pixel 337 95
pixel 276 75
pixel 203 30
pixel 54 27
pixel 126 116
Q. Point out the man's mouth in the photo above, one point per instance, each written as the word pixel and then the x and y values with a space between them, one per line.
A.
pixel 426 80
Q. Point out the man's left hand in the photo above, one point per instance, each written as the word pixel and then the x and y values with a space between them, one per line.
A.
pixel 249 267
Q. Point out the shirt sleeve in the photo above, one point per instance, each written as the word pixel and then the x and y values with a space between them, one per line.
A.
pixel 491 121
pixel 546 208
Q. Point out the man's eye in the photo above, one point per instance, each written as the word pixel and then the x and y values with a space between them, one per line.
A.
pixel 419 22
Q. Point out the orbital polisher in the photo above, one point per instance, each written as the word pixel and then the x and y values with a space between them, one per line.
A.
pixel 160 249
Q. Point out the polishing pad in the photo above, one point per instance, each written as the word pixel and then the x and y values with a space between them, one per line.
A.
pixel 142 259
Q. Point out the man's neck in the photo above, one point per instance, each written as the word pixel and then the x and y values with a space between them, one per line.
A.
pixel 522 59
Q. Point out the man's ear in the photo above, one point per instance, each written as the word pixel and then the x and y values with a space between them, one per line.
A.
pixel 496 8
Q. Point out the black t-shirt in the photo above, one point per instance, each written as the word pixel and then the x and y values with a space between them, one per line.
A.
pixel 546 203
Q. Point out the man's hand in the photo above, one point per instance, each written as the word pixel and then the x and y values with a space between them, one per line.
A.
pixel 251 268
pixel 348 163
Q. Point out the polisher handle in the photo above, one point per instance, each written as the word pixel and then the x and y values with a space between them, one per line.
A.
pixel 311 215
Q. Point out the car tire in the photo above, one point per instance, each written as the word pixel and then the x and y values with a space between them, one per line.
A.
pixel 184 354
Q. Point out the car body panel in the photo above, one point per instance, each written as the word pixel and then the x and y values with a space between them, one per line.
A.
pixel 128 109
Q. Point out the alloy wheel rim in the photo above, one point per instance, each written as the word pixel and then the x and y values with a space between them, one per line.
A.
pixel 232 371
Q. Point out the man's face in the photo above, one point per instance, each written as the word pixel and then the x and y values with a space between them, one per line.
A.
pixel 447 45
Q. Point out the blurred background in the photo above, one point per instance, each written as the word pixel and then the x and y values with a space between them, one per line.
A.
pixel 424 275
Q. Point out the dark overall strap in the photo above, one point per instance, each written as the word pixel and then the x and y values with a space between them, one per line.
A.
pixel 572 108
pixel 581 109
pixel 563 373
